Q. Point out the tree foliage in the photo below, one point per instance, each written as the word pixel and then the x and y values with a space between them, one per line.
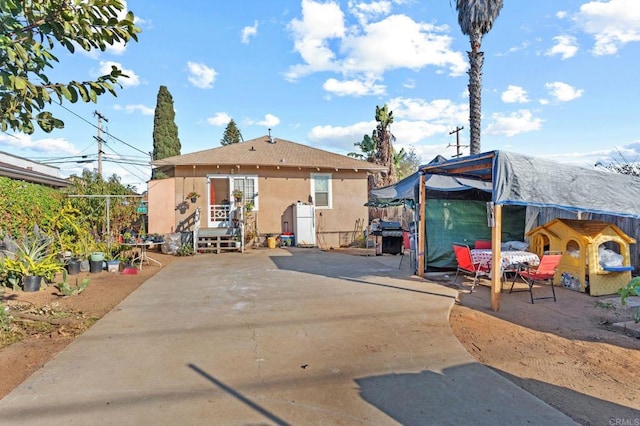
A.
pixel 476 18
pixel 367 149
pixel 166 142
pixel 24 204
pixel 29 33
pixel 406 162
pixel 122 210
pixel 231 134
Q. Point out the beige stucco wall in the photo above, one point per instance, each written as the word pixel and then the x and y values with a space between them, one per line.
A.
pixel 278 190
pixel 160 196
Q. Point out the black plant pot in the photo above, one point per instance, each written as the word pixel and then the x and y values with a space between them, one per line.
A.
pixel 95 266
pixel 73 267
pixel 31 283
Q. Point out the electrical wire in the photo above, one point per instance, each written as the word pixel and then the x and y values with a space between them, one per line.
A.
pixel 105 132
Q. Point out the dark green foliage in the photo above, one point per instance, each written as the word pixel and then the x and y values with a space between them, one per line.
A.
pixel 24 204
pixel 367 149
pixel 231 134
pixel 166 142
pixel 30 31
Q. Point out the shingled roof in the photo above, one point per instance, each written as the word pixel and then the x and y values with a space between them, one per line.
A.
pixel 265 151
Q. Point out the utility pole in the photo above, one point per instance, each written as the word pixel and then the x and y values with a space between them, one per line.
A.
pixel 99 139
pixel 458 146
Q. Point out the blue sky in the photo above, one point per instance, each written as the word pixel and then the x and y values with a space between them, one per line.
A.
pixel 559 79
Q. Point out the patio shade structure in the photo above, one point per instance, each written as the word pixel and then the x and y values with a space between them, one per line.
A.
pixel 518 179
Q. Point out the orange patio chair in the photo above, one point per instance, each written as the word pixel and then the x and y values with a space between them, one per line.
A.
pixel 466 264
pixel 545 271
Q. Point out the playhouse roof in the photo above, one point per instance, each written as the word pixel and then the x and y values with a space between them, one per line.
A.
pixel 589 229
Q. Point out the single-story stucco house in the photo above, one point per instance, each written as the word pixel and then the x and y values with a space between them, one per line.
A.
pixel 275 176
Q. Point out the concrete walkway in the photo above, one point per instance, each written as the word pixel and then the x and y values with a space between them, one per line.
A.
pixel 274 337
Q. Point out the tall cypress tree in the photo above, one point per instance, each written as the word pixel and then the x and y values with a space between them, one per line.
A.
pixel 231 134
pixel 166 142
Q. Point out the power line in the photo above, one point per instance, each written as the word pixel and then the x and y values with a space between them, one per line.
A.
pixel 105 132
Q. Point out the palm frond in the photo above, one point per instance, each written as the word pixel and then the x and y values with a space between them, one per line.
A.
pixel 477 15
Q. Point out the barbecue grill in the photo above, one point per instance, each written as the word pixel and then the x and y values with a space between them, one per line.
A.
pixel 391 233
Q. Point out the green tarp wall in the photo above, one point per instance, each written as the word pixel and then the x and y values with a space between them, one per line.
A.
pixel 464 221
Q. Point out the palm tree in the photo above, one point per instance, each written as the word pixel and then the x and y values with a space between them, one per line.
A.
pixel 367 149
pixel 384 148
pixel 476 19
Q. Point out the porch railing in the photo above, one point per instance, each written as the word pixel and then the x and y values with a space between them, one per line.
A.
pixel 220 213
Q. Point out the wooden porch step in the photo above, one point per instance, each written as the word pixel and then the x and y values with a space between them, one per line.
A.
pixel 216 243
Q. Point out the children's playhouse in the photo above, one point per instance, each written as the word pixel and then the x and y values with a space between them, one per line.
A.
pixel 595 254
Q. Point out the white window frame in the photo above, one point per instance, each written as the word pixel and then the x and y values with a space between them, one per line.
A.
pixel 329 178
pixel 254 178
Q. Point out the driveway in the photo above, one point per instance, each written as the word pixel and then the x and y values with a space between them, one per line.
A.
pixel 282 336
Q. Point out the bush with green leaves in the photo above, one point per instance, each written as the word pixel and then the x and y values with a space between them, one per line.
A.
pixel 631 289
pixel 185 250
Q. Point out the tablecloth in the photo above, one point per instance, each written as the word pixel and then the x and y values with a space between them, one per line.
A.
pixel 510 258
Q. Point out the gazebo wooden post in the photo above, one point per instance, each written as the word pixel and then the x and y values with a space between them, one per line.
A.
pixel 496 248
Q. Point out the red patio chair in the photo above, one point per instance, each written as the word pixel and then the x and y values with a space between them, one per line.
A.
pixel 466 265
pixel 545 271
pixel 482 244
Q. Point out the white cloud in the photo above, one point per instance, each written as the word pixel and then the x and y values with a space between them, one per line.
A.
pixel 269 120
pixel 565 46
pixel 130 109
pixel 200 75
pixel 340 138
pixel 442 111
pixel 409 84
pixel 514 94
pixel 132 80
pixel 613 24
pixel 409 132
pixel 20 141
pixel 365 52
pixel 563 92
pixel 320 23
pixel 513 124
pixel 248 32
pixel 400 42
pixel 219 119
pixel 353 87
pixel 415 120
pixel 366 11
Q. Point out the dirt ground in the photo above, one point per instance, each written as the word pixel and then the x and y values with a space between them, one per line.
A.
pixel 565 352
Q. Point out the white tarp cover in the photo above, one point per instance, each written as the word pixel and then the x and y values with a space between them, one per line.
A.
pixel 523 180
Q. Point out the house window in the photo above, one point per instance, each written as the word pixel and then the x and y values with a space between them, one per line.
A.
pixel 321 190
pixel 249 187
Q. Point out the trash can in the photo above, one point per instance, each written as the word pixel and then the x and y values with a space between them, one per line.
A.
pixel 271 242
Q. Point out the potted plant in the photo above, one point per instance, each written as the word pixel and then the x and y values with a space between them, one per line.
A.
pixel 193 196
pixel 33 260
pixel 237 194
